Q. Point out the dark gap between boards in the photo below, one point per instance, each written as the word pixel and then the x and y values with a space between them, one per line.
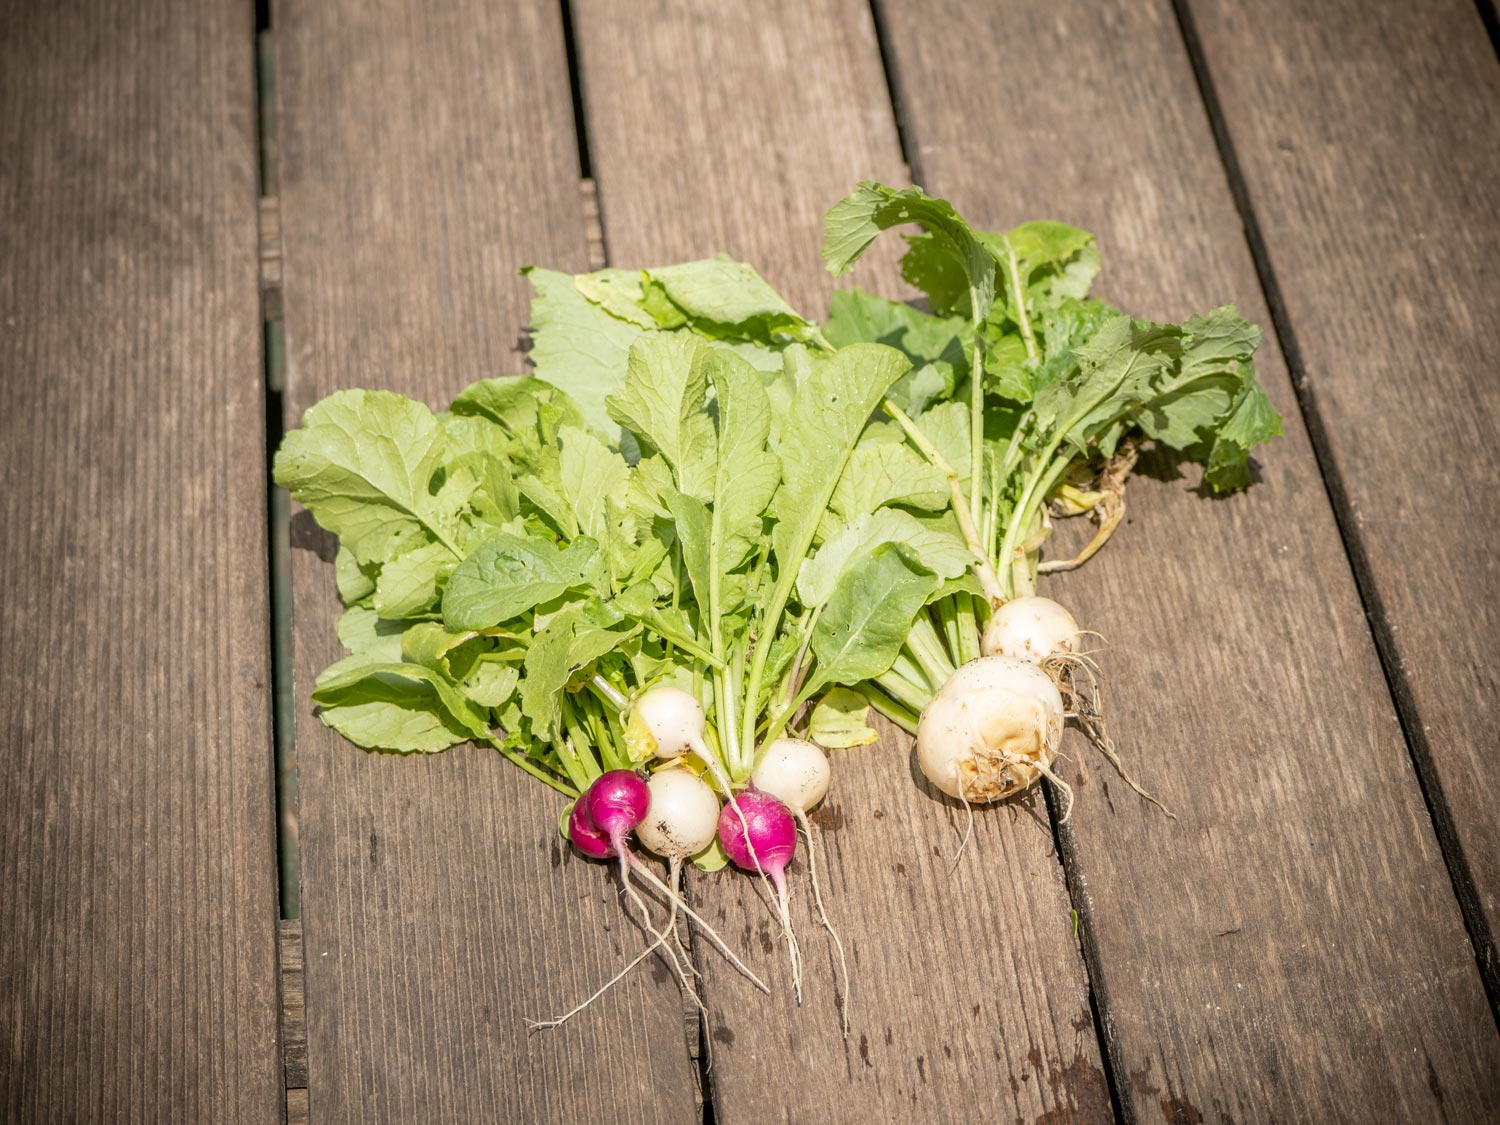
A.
pixel 893 90
pixel 1491 23
pixel 1093 970
pixel 575 85
pixel 278 503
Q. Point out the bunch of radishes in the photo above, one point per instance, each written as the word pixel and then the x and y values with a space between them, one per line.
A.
pixel 711 535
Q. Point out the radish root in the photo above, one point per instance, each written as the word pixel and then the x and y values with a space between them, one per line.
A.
pixel 812 871
pixel 671 953
pixel 794 951
pixel 558 1021
pixel 650 877
pixel 659 941
pixel 1085 705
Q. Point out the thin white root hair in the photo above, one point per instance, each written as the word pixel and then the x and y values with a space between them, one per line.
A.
pixel 1067 790
pixel 794 951
pixel 670 953
pixel 812 871
pixel 650 877
pixel 1087 708
pixel 558 1021
pixel 968 829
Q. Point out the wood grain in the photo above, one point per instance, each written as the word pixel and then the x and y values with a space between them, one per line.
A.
pixel 137 859
pixel 732 128
pixel 427 152
pixel 1290 947
pixel 1370 149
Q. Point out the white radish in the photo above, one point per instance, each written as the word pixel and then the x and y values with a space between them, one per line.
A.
pixel 991 731
pixel 683 817
pixel 681 820
pixel 669 722
pixel 1041 632
pixel 796 773
pixel 1033 629
pixel 672 717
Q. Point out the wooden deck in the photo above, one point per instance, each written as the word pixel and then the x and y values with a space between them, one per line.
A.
pixel 1305 672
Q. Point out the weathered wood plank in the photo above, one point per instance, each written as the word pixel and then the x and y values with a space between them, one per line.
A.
pixel 1370 148
pixel 1290 947
pixel 427 151
pixel 731 127
pixel 137 946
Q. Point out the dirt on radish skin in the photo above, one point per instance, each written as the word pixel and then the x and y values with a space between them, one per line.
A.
pixel 682 817
pixel 991 731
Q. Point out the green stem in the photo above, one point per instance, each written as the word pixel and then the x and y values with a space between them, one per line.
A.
pixel 1038 485
pixel 613 757
pixel 968 629
pixel 981 564
pixel 1022 318
pixel 577 736
pixel 905 665
pixel 947 612
pixel 778 724
pixel 901 716
pixel 899 688
pixel 805 631
pixel 577 773
pixel 515 757
pixel 660 627
pixel 608 692
pixel 976 413
pixel 781 593
pixel 927 647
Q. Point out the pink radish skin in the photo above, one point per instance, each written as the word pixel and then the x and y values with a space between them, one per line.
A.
pixel 615 803
pixel 586 836
pixel 772 834
pixel 759 834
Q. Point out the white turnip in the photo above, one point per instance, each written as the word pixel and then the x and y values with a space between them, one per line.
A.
pixel 992 730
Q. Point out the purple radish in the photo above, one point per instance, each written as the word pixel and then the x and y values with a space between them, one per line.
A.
pixel 609 811
pixel 615 803
pixel 758 833
pixel 586 836
pixel 796 772
pixel 599 826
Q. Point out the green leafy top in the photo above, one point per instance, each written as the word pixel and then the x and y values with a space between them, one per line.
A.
pixel 700 486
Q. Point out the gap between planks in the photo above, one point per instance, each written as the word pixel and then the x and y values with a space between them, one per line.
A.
pixel 293 1020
